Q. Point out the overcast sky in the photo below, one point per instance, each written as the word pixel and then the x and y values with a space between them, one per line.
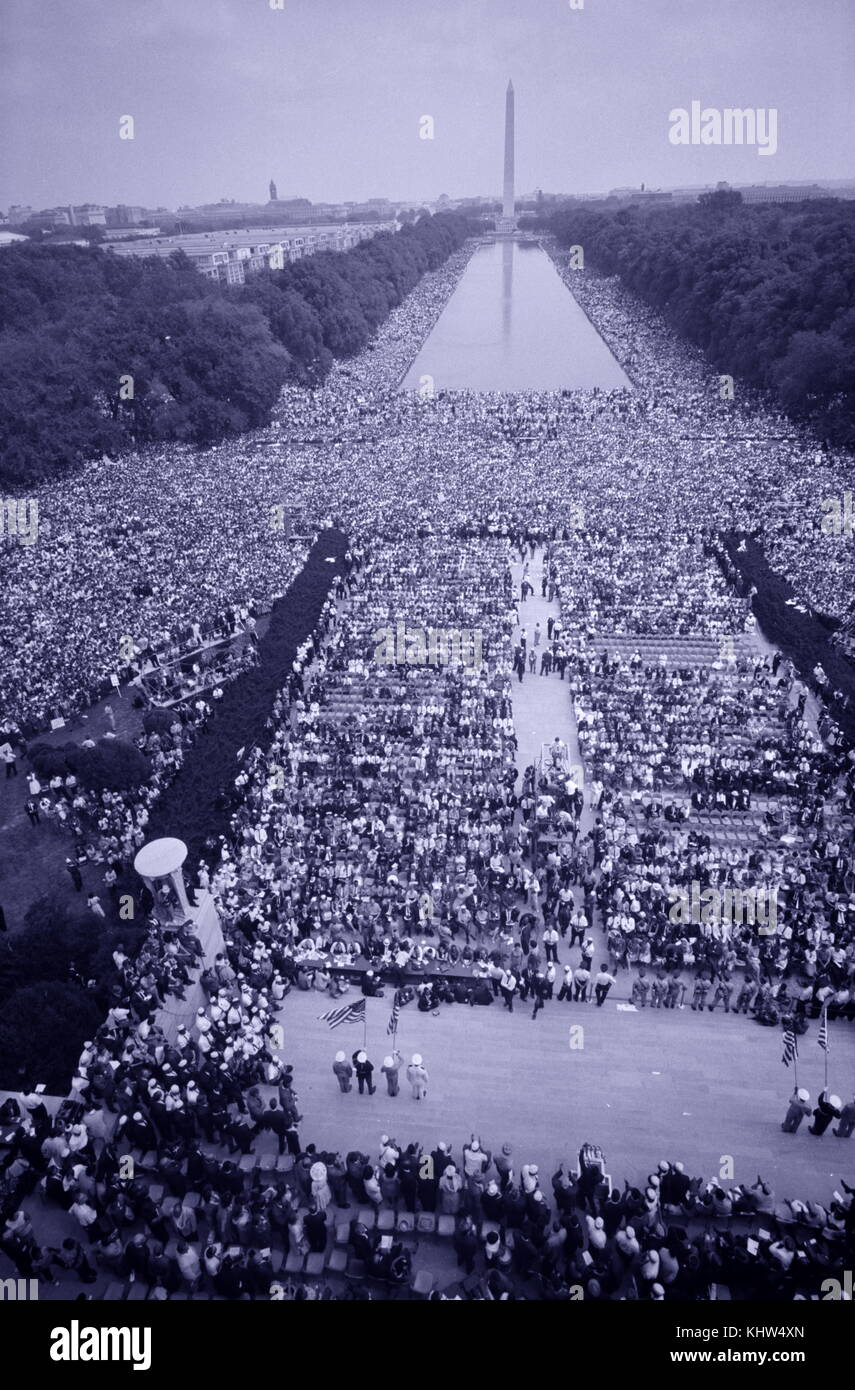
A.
pixel 326 95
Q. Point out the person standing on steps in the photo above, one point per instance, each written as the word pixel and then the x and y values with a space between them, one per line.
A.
pixel 417 1077
pixel 76 876
pixel 828 1108
pixel 538 992
pixel 566 990
pixel 364 1072
pixel 603 982
pixel 796 1110
pixel 550 941
pixel 508 984
pixel 390 1068
pixel 343 1071
pixel 847 1120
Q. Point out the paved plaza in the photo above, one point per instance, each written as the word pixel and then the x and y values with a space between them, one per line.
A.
pixel 644 1086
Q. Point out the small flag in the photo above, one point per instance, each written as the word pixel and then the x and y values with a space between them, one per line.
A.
pixel 348 1013
pixel 822 1037
pixel 392 1025
pixel 791 1047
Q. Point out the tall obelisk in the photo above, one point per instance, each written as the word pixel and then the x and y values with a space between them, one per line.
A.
pixel 508 220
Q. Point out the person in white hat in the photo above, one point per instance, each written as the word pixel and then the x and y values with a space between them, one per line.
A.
pixel 417 1077
pixel 799 1107
pixel 364 1072
pixel 390 1068
pixel 344 1072
pixel 828 1108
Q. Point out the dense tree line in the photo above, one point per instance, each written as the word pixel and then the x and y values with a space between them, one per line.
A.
pixel 57 980
pixel 111 764
pixel 767 290
pixel 198 805
pixel 102 354
pixel 330 305
pixel 802 633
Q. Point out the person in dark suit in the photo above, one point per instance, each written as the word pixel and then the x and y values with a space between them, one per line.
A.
pixel 364 1072
pixel 76 876
pixel 240 1132
pixel 315 1228
pixel 277 1122
pixel 828 1108
pixel 538 993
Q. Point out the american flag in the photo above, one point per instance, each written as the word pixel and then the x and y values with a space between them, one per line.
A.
pixel 348 1013
pixel 791 1047
pixel 822 1037
pixel 392 1025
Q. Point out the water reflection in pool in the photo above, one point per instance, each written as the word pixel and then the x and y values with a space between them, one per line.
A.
pixel 512 325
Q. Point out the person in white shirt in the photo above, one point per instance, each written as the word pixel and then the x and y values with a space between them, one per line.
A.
pixel 507 985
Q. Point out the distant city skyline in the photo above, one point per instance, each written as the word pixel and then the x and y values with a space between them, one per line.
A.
pixel 522 197
pixel 329 102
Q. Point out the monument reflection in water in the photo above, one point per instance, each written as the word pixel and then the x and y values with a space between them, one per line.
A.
pixel 512 325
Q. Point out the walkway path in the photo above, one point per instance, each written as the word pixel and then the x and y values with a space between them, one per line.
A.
pixel 543 709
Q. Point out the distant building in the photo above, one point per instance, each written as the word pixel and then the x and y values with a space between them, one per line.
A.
pixel 782 193
pixel 129 233
pixel 123 216
pixel 9 238
pixel 223 211
pixel 371 212
pixel 87 215
pixel 292 209
pixel 641 195
pixel 231 256
pixel 273 194
pixel 50 217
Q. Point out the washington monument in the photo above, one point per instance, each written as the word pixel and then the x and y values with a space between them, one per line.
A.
pixel 508 220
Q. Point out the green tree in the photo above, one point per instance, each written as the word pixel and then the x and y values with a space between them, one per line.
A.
pixel 42 1031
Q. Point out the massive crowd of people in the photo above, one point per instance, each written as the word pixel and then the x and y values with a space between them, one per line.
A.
pixel 385 826
pixel 156 1165
pixel 385 461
